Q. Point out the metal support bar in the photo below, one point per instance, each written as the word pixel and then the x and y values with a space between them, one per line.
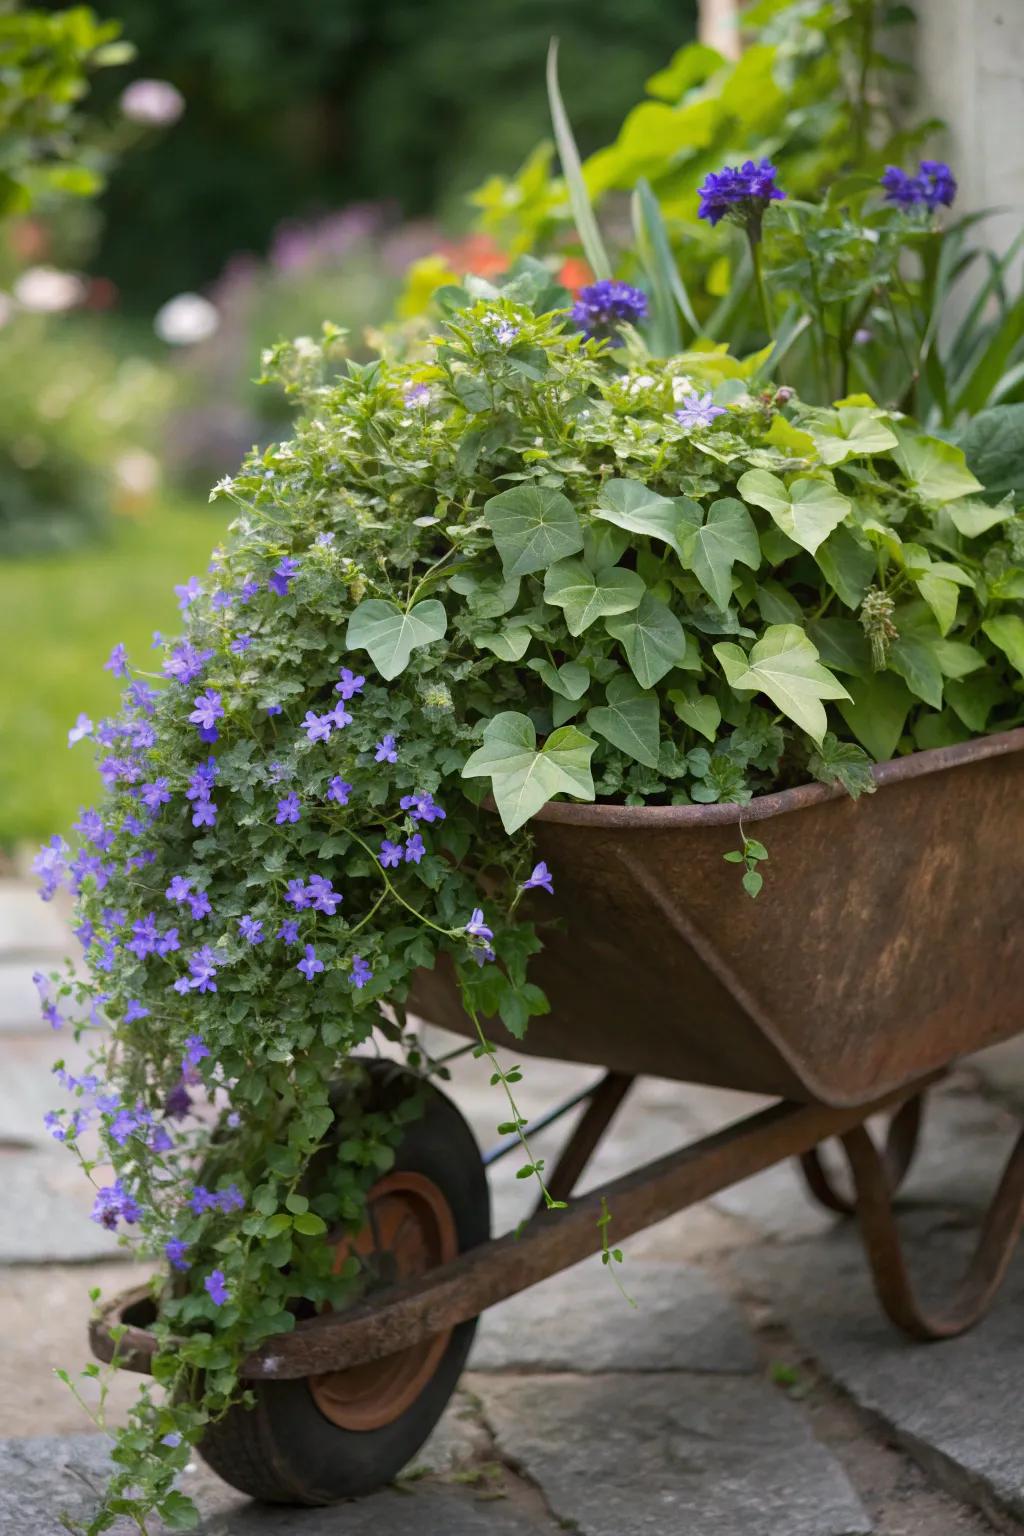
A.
pixel 538 1123
pixel 605 1098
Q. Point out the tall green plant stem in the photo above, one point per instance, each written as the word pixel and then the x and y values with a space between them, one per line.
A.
pixel 759 283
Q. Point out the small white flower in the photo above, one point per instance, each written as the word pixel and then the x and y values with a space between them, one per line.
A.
pixel 186 319
pixel 47 291
pixel 639 382
pixel 682 387
pixel 157 103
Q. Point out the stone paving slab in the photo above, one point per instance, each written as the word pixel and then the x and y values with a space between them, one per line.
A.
pixel 957 1406
pixel 29 926
pixel 579 1321
pixel 44 1211
pixel 43 1476
pixel 671 1455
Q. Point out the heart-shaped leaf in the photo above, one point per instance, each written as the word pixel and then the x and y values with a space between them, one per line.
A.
pixel 653 639
pixel 784 664
pixel 532 527
pixel 876 712
pixel 570 680
pixel 848 565
pixel 586 595
pixel 628 719
pixel 509 644
pixel 631 505
pixel 806 511
pixel 712 548
pixel 916 662
pixel 1007 632
pixel 936 470
pixel 390 635
pixel 851 432
pixel 698 710
pixel 523 777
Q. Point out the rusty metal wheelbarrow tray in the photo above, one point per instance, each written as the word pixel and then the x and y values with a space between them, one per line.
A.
pixel 887 941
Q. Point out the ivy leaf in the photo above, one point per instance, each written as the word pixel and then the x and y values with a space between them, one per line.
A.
pixel 390 636
pixel 972 518
pixel 631 505
pixel 570 680
pixel 916 662
pixel 653 639
pixel 956 658
pixel 840 762
pixel 698 710
pixel 973 702
pixel 807 511
pixel 585 595
pixel 842 645
pixel 941 596
pixel 523 777
pixel 784 665
pixel 877 712
pixel 847 565
pixel 853 431
pixel 711 548
pixel 1007 632
pixel 532 527
pixel 509 644
pixel 628 719
pixel 936 470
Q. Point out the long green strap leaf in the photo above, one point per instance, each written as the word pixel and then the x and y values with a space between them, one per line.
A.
pixel 572 170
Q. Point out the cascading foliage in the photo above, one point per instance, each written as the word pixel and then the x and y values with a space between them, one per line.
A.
pixel 526 564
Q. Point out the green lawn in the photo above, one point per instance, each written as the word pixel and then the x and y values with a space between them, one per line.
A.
pixel 59 618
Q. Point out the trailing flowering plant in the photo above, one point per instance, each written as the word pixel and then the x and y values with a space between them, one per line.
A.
pixel 527 565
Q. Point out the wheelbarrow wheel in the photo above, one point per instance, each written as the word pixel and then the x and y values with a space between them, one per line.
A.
pixel 339 1436
pixel 901 1140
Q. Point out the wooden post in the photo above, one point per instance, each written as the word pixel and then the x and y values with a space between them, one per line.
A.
pixel 719 26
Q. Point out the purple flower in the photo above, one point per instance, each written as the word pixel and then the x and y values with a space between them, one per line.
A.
pixel 50 864
pixel 296 895
pixel 195 1050
pixel 155 794
pixel 360 973
pixel 226 1200
pixel 339 790
pixel 934 185
pixel 179 889
pixel 134 1011
pixel 81 728
pixel 208 710
pixel 386 750
pixel 176 1251
pixel 204 813
pixel 188 593
pixel 199 904
pixel 178 1103
pixel 117 661
pixel 310 965
pixel 247 591
pixel 202 781
pixel 339 716
pixel 416 394
pixel 251 929
pixel 324 897
pixel 221 600
pixel 203 965
pixel 281 575
pixel 317 727
pixel 477 928
pixel 505 332
pixel 390 854
pixel 216 1286
pixel 349 684
pixel 240 644
pixel 699 411
pixel 422 807
pixel 288 809
pixel 604 307
pixel 414 849
pixel 173 1439
pixel 185 663
pixel 324 540
pixel 168 943
pixel 144 937
pixel 741 193
pixel 288 931
pixel 114 1204
pixel 540 880
pixel 143 696
pixel 273 709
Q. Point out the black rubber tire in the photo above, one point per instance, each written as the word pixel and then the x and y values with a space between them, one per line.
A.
pixel 284 1450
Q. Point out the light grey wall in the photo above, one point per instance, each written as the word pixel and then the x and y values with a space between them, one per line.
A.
pixel 970 58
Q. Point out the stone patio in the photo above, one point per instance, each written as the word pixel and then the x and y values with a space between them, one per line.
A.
pixel 754 1389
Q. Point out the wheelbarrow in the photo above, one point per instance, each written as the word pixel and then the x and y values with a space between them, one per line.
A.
pixel 887 944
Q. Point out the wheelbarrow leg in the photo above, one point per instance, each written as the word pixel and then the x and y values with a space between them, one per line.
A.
pixel 595 1120
pixel 900 1146
pixel 986 1270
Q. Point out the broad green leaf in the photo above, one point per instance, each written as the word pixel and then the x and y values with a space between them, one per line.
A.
pixel 807 510
pixel 842 645
pixel 877 711
pixel 972 518
pixel 840 762
pixel 851 432
pixel 532 527
pixel 698 710
pixel 628 719
pixel 941 596
pixel 712 548
pixel 956 658
pixel 847 565
pixel 1007 632
pixel 653 639
pixel 784 665
pixel 916 662
pixel 937 470
pixel 974 701
pixel 570 680
pixel 630 505
pixel 509 644
pixel 776 604
pixel 586 595
pixel 992 443
pixel 523 777
pixel 390 636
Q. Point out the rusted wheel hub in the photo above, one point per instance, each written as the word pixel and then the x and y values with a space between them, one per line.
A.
pixel 409 1229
